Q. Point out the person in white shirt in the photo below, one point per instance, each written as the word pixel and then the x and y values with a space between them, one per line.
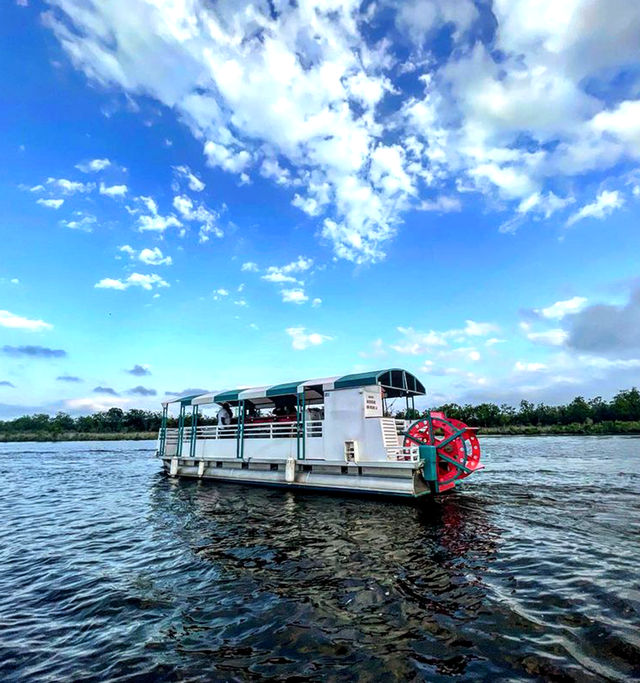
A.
pixel 224 414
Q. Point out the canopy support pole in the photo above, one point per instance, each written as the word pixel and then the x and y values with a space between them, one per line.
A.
pixel 180 431
pixel 194 424
pixel 240 432
pixel 163 430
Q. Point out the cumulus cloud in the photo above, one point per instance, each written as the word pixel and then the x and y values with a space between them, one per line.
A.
pixel 152 257
pixel 442 204
pixel 147 282
pixel 69 186
pixel 105 390
pixel 294 296
pixel 84 222
pixel 559 309
pixel 8 319
pixel 554 337
pixel 307 97
pixel 249 267
pixel 139 370
pixel 185 173
pixel 186 392
pixel 33 351
pixel 113 190
pixel 198 213
pixel 142 391
pixel 301 339
pixel 604 205
pixel 606 329
pixel 154 221
pixel 93 165
pixel 50 203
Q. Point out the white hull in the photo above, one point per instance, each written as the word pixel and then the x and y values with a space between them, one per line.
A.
pixel 391 479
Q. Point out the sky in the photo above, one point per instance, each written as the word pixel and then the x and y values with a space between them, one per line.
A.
pixel 200 195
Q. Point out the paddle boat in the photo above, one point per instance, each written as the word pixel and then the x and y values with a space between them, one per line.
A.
pixel 331 434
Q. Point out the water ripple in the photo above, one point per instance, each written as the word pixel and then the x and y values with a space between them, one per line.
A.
pixel 111 571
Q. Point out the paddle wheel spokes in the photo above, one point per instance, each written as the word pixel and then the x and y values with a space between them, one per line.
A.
pixel 449 448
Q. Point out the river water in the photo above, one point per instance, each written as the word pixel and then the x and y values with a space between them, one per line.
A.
pixel 111 571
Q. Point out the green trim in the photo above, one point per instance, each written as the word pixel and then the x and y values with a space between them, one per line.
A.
pixel 231 395
pixel 163 430
pixel 180 430
pixel 451 438
pixel 396 381
pixel 194 426
pixel 240 432
pixel 384 378
pixel 287 389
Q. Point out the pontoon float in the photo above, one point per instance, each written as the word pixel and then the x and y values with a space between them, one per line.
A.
pixel 331 434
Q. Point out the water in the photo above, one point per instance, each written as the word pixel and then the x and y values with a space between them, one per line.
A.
pixel 111 571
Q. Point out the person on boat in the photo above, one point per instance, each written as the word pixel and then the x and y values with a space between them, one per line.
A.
pixel 224 414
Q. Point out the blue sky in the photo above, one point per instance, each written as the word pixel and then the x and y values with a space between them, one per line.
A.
pixel 207 198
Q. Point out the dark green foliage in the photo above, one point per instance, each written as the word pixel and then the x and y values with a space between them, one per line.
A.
pixel 594 416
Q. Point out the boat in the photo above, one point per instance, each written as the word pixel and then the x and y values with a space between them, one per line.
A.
pixel 329 434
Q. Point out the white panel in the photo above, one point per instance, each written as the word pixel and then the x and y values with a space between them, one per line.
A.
pixel 254 392
pixel 345 421
pixel 204 399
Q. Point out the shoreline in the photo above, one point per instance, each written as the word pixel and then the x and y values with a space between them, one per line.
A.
pixel 600 429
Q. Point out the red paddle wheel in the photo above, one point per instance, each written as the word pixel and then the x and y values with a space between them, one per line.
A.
pixel 450 449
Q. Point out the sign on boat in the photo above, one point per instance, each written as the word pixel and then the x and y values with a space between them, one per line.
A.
pixel 332 434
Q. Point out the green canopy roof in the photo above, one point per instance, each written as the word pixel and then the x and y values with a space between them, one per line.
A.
pixel 395 381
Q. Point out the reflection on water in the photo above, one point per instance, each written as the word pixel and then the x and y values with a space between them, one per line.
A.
pixel 112 570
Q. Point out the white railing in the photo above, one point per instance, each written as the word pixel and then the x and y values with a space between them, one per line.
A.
pixel 260 430
pixel 401 425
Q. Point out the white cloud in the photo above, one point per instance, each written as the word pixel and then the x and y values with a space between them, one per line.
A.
pixel 147 282
pixel 51 203
pixel 299 95
pixel 94 165
pixel 154 257
pixel 295 296
pixel 154 222
pixel 278 277
pixel 529 367
pixel 301 339
pixel 604 205
pixel 558 310
pixel 249 267
pixel 199 213
pixel 474 329
pixel 442 204
pixel 416 343
pixel 82 221
pixel 230 159
pixel 554 337
pixel 11 320
pixel 69 186
pixel 283 274
pixel 316 302
pixel 194 183
pixel 220 292
pixel 113 190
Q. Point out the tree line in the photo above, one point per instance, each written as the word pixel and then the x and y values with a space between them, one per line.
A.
pixel 623 407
